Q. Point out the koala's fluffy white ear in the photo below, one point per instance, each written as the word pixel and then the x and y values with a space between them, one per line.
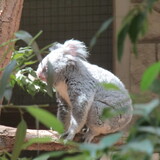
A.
pixel 55 46
pixel 76 48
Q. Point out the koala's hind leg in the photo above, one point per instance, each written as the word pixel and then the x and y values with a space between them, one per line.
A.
pixel 96 125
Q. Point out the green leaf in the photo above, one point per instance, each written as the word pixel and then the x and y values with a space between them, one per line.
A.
pixel 23 35
pixel 78 157
pixel 26 37
pixel 110 86
pixel 46 118
pixel 150 3
pixel 37 141
pixel 8 42
pixel 105 142
pixel 136 26
pixel 50 79
pixel 146 109
pixel 8 93
pixel 9 49
pixel 103 27
pixel 149 76
pixel 5 77
pixel 19 140
pixel 155 87
pixel 144 146
pixel 35 37
pixel 121 39
pixel 30 62
pixel 108 113
pixel 48 155
pixel 110 140
pixel 150 129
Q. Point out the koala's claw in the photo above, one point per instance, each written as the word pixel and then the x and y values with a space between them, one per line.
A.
pixel 67 136
pixel 88 136
pixel 64 135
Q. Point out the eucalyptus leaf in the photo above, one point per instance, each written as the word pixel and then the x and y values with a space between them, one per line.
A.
pixel 26 37
pixel 110 86
pixel 23 35
pixel 38 140
pixel 48 155
pixel 121 39
pixel 30 62
pixel 46 118
pixel 19 140
pixel 108 113
pixel 149 76
pixel 144 146
pixel 50 77
pixel 136 26
pixel 105 142
pixel 110 140
pixel 155 87
pixel 150 129
pixel 8 50
pixel 103 27
pixel 8 93
pixel 5 77
pixel 146 109
pixel 79 157
pixel 8 42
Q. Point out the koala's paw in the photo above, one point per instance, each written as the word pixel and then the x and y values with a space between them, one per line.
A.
pixel 88 137
pixel 67 136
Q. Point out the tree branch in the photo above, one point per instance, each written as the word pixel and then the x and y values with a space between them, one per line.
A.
pixel 7 139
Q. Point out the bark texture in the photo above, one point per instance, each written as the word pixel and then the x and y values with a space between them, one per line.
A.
pixel 7 139
pixel 10 14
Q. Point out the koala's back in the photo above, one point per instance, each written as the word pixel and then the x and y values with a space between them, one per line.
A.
pixel 102 75
pixel 118 101
pixel 119 106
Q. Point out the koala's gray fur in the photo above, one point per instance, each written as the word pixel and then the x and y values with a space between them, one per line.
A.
pixel 80 95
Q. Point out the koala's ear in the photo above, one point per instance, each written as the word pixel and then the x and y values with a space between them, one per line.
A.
pixel 55 46
pixel 76 48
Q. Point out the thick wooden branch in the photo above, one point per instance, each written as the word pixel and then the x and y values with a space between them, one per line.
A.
pixel 7 139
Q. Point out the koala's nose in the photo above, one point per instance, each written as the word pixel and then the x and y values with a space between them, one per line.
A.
pixel 41 76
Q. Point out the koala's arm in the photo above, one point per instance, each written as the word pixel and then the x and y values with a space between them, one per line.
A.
pixel 64 111
pixel 81 103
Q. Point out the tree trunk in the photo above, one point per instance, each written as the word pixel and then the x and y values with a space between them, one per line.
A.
pixel 10 14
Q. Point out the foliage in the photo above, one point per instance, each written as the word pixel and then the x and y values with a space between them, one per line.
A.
pixel 144 135
pixel 38 113
pixel 135 25
pixel 103 27
pixel 19 140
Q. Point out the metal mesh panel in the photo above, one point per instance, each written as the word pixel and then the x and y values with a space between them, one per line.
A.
pixel 61 20
pixel 65 19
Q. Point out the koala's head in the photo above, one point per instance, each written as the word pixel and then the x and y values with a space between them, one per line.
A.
pixel 61 56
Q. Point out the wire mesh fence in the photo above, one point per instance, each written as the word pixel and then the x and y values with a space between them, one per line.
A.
pixel 65 19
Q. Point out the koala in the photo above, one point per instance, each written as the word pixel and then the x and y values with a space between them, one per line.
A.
pixel 80 94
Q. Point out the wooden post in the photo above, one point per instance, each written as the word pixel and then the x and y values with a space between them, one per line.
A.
pixel 121 69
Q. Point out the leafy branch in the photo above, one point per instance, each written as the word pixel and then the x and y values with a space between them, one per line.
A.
pixel 134 25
